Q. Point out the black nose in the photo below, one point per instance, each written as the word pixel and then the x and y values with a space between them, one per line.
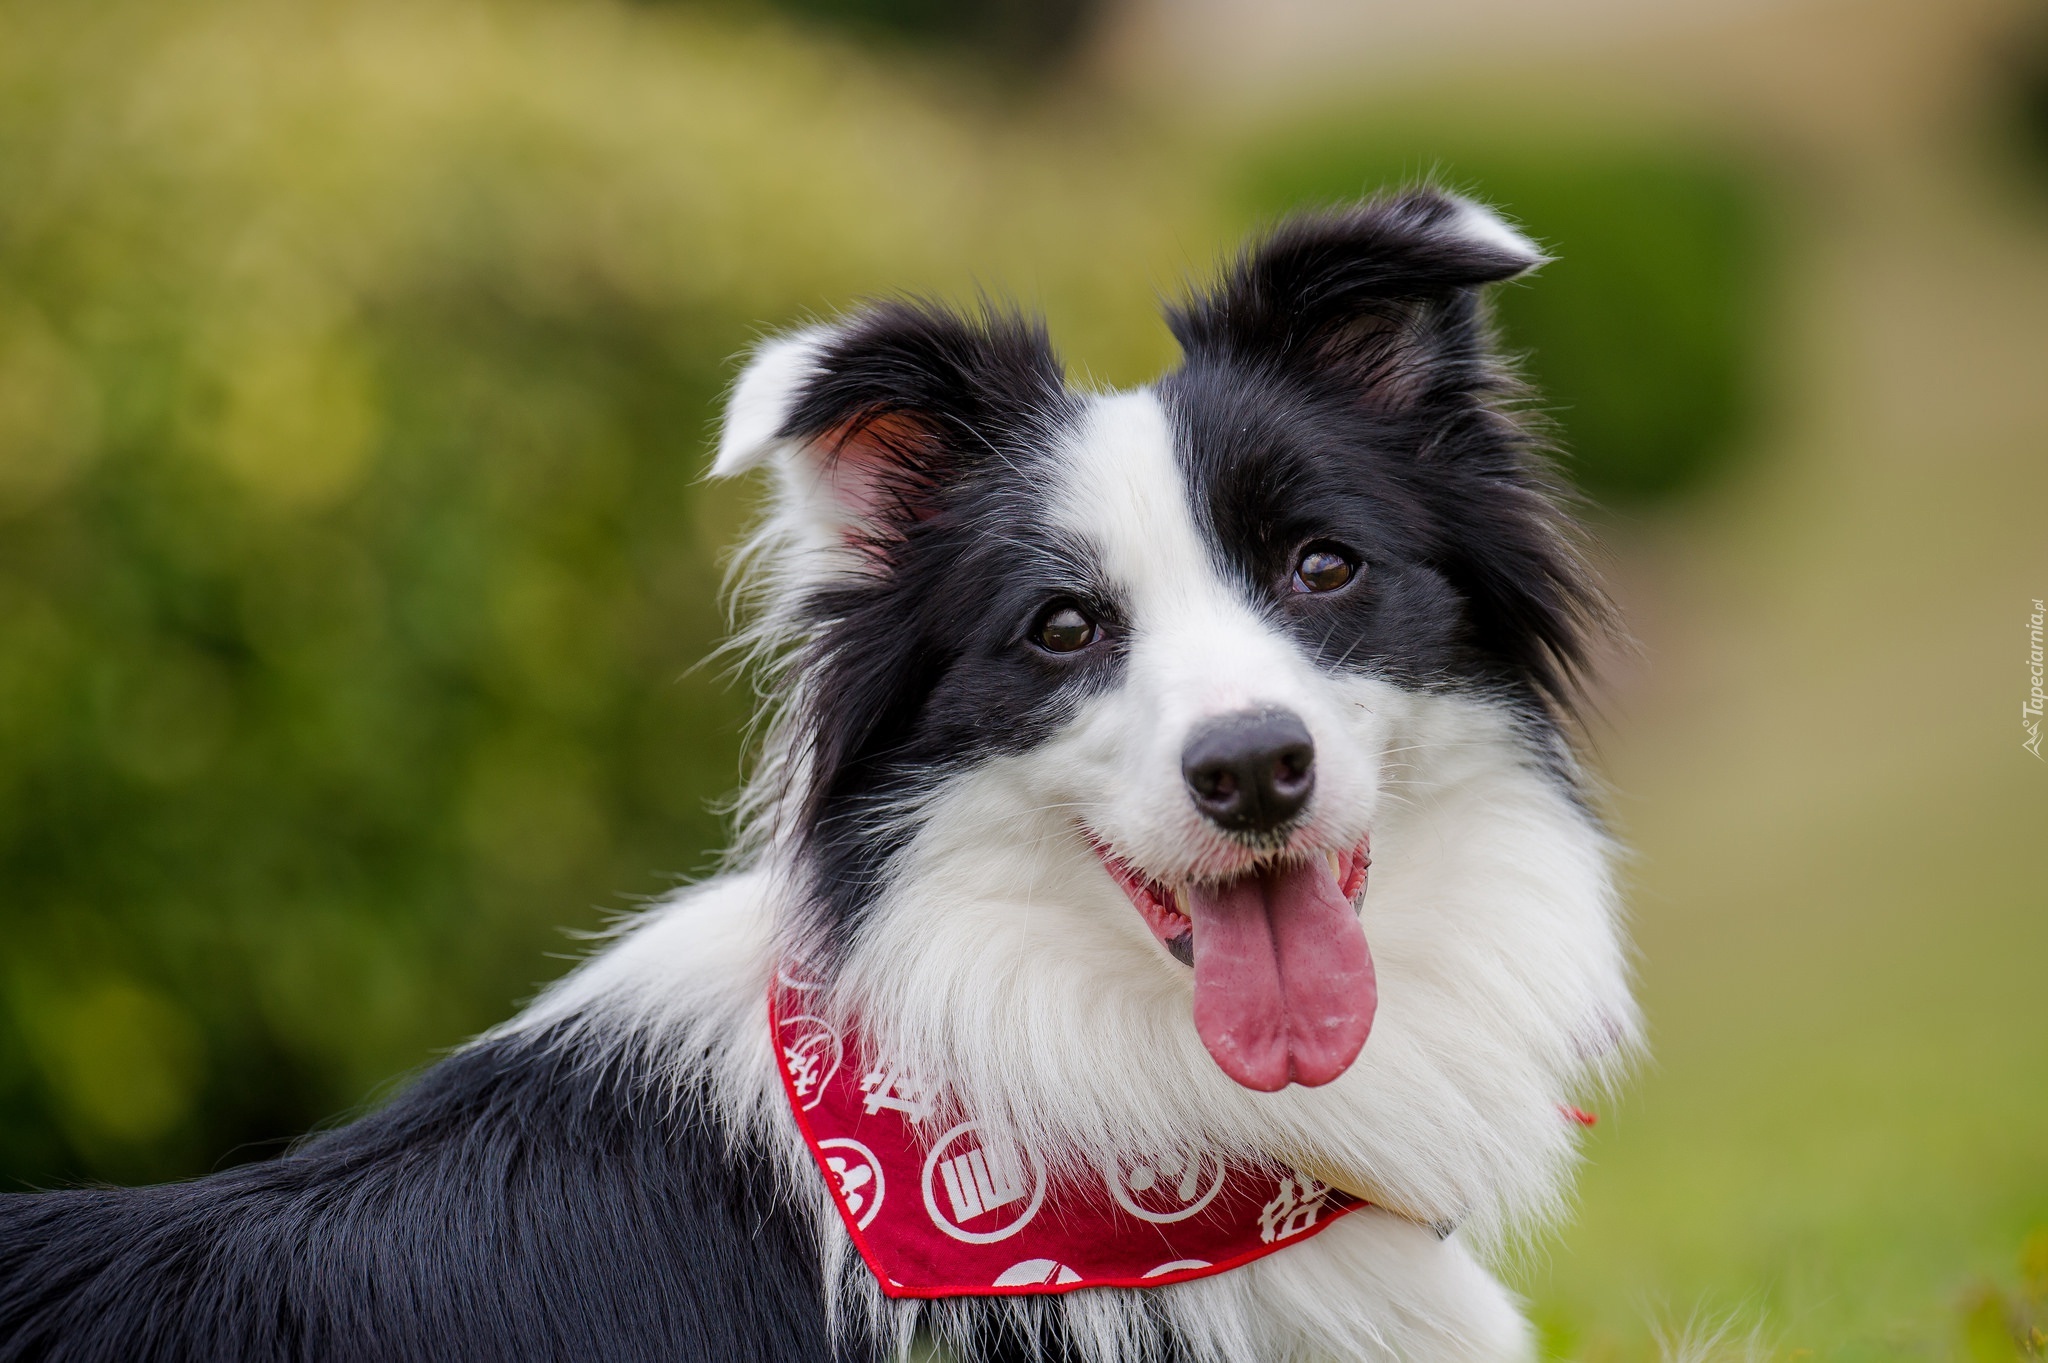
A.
pixel 1250 772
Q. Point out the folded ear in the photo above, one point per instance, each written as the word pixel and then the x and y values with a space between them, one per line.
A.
pixel 1379 300
pixel 869 421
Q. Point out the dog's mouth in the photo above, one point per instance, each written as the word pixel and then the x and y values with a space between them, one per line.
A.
pixel 1284 988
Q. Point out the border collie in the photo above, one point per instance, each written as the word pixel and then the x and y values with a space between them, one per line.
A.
pixel 1084 715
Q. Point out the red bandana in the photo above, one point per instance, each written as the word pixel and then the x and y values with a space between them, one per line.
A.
pixel 937 1210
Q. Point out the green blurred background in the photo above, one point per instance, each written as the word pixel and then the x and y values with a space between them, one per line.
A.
pixel 357 365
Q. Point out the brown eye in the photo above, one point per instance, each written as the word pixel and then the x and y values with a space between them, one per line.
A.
pixel 1322 569
pixel 1066 630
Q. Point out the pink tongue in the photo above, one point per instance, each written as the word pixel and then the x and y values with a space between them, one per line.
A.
pixel 1284 989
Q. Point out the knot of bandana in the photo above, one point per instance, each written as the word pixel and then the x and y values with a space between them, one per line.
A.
pixel 940 1208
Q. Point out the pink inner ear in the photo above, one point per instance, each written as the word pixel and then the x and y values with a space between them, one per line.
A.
pixel 879 467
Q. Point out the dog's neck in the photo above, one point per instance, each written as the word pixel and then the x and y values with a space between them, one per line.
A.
pixel 1012 964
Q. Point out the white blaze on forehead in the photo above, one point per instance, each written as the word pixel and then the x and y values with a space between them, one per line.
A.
pixel 1195 635
pixel 1122 493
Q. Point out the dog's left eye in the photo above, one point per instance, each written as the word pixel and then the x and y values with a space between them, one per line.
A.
pixel 1064 629
pixel 1322 568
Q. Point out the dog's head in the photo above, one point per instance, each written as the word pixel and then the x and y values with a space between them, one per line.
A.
pixel 1156 656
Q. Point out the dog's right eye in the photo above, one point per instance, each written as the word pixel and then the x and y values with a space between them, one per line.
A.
pixel 1064 629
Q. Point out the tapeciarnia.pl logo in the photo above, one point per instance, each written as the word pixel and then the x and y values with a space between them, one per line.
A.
pixel 2030 713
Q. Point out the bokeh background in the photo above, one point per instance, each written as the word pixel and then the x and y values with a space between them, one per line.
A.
pixel 357 366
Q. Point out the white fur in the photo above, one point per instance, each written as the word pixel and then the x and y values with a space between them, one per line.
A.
pixel 1479 223
pixel 760 401
pixel 1002 954
pixel 815 506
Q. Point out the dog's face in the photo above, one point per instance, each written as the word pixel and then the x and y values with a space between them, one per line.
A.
pixel 1174 635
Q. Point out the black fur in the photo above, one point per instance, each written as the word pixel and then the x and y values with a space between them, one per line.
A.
pixel 1341 383
pixel 921 667
pixel 522 1201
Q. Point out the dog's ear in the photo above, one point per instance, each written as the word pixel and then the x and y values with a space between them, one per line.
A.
pixel 869 421
pixel 1378 301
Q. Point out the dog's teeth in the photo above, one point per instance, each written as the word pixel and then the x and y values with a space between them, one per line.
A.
pixel 1180 901
pixel 1336 865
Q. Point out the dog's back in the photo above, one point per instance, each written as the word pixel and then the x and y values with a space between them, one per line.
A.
pixel 524 1199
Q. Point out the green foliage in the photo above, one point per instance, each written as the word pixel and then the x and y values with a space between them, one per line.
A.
pixel 1643 335
pixel 356 363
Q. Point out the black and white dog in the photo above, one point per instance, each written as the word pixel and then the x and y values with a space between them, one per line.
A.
pixel 1085 708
